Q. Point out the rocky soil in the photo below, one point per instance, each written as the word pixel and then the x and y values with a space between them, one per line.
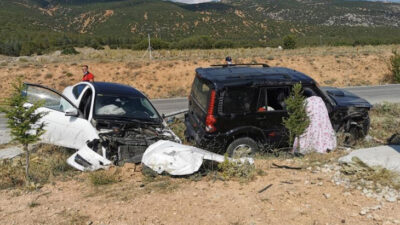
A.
pixel 318 194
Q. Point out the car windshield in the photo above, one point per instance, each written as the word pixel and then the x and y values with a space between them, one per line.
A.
pixel 125 107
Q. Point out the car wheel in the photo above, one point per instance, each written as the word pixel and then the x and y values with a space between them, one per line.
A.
pixel 242 147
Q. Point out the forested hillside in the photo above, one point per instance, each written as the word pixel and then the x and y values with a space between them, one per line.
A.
pixel 36 26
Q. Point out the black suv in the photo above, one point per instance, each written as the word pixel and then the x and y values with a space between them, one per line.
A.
pixel 238 109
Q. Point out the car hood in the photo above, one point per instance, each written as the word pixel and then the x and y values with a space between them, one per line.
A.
pixel 345 98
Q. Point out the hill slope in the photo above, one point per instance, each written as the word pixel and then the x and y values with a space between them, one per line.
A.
pixel 261 21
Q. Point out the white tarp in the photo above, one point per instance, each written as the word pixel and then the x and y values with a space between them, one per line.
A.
pixel 179 159
pixel 319 136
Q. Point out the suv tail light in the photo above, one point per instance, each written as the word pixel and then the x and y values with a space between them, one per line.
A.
pixel 210 119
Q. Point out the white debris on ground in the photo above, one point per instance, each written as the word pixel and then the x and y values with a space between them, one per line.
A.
pixel 369 189
pixel 352 170
pixel 179 159
pixel 386 156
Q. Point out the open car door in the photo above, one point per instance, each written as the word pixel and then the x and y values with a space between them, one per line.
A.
pixel 64 127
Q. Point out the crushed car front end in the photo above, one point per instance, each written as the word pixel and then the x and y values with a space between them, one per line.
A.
pixel 126 141
pixel 350 113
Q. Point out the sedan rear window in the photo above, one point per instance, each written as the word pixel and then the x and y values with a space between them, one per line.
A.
pixel 201 92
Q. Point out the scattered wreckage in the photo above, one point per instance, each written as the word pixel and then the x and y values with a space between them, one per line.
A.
pixel 112 124
pixel 178 159
pixel 106 122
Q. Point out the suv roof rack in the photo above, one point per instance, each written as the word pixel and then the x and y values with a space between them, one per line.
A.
pixel 241 64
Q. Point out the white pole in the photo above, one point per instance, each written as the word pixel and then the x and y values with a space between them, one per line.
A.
pixel 149 48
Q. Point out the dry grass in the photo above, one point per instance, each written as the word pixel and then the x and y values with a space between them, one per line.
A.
pixel 385 120
pixel 171 72
pixel 73 218
pixel 104 177
pixel 359 172
pixel 229 170
pixel 48 163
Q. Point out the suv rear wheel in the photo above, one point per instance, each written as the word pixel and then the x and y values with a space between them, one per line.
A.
pixel 242 147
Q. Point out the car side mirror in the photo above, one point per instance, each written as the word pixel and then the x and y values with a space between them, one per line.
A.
pixel 163 116
pixel 71 112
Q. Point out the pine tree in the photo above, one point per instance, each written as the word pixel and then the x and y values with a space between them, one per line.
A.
pixel 298 121
pixel 23 120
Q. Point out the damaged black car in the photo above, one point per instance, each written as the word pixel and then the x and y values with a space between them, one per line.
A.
pixel 239 109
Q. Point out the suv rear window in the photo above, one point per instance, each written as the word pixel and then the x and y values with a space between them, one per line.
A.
pixel 272 98
pixel 239 100
pixel 201 92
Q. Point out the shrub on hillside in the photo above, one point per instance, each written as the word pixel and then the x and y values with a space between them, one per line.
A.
pixel 197 42
pixel 395 66
pixel 69 51
pixel 224 44
pixel 289 42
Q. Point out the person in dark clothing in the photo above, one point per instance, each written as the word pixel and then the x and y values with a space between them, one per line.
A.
pixel 228 60
pixel 87 76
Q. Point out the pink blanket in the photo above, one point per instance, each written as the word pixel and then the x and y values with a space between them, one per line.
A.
pixel 319 136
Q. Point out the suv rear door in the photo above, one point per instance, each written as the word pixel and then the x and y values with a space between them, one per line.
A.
pixel 198 102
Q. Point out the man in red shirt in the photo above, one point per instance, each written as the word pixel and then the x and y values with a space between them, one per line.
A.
pixel 87 76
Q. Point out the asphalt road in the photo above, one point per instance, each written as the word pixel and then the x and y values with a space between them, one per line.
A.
pixel 378 94
pixel 373 94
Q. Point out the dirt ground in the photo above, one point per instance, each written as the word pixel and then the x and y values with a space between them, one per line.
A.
pixel 171 73
pixel 296 197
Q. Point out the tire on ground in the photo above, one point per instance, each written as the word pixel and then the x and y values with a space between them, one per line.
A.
pixel 244 141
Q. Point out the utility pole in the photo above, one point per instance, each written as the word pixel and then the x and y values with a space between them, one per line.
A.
pixel 320 40
pixel 149 48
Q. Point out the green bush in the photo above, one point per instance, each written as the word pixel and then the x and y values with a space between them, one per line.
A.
pixel 289 42
pixel 224 44
pixel 395 66
pixel 298 121
pixel 69 51
pixel 231 169
pixel 196 42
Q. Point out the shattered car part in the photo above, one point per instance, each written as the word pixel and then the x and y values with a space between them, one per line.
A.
pixel 87 160
pixel 350 112
pixel 178 159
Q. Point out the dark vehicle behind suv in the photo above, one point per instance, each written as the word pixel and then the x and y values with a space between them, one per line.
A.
pixel 239 109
